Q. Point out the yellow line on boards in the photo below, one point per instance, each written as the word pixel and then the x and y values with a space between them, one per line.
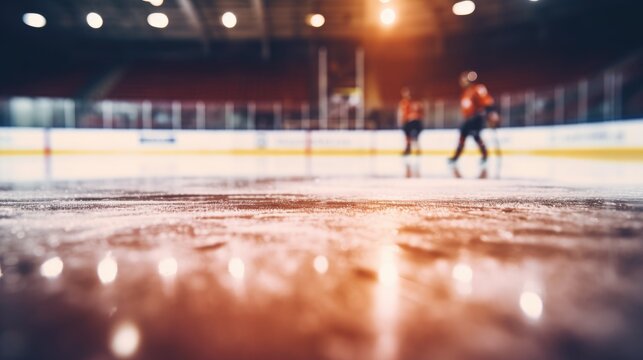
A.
pixel 621 154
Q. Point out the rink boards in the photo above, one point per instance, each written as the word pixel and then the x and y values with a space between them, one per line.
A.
pixel 617 139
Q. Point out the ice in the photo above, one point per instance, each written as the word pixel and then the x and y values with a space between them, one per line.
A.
pixel 567 171
pixel 323 257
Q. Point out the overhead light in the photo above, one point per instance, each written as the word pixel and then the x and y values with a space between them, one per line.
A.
pixel 316 20
pixel 462 8
pixel 385 1
pixel 158 20
pixel 229 20
pixel 388 16
pixel 34 20
pixel 94 20
pixel 155 2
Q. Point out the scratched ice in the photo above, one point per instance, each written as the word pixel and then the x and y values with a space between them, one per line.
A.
pixel 320 258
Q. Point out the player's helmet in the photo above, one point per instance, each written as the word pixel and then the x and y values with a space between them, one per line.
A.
pixel 405 92
pixel 468 77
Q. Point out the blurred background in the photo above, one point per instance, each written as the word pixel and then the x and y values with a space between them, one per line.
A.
pixel 313 64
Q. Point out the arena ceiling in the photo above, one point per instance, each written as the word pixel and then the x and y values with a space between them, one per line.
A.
pixel 286 19
pixel 269 21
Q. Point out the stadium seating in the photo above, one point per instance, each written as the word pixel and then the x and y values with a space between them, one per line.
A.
pixel 60 84
pixel 198 80
pixel 439 79
pixel 293 81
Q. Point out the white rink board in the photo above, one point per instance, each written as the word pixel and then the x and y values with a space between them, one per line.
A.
pixel 343 140
pixel 608 135
pixel 22 139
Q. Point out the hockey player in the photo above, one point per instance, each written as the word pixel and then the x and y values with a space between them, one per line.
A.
pixel 478 108
pixel 409 115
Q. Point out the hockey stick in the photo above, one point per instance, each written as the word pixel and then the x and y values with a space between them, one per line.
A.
pixel 497 142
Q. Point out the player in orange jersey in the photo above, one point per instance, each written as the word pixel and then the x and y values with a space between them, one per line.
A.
pixel 478 108
pixel 409 115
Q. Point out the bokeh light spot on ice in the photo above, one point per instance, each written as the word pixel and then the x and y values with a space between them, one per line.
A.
pixel 168 267
pixel 125 340
pixel 531 304
pixel 52 268
pixel 107 269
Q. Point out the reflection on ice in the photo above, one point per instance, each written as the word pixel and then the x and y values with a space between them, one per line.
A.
pixel 107 269
pixel 236 268
pixel 52 268
pixel 320 264
pixel 463 276
pixel 531 304
pixel 168 267
pixel 564 170
pixel 387 268
pixel 386 304
pixel 125 340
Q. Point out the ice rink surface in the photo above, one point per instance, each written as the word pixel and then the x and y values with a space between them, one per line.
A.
pixel 320 258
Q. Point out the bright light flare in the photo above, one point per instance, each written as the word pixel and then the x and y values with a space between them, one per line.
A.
pixel 52 268
pixel 94 20
pixel 158 20
pixel 107 269
pixel 229 19
pixel 463 8
pixel 531 304
pixel 388 16
pixel 125 340
pixel 472 76
pixel 168 267
pixel 34 20
pixel 236 268
pixel 320 264
pixel 316 20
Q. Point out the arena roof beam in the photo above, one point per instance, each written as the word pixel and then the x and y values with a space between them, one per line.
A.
pixel 260 11
pixel 188 8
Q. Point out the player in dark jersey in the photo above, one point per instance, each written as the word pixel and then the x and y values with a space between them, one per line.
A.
pixel 409 115
pixel 478 108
